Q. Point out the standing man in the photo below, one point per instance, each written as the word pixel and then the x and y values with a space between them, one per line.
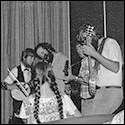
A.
pixel 58 61
pixel 106 61
pixel 23 73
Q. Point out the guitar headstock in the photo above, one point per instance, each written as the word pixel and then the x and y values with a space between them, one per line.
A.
pixel 89 30
pixel 89 33
pixel 86 31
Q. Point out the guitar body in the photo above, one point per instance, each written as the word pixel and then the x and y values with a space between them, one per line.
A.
pixel 19 95
pixel 92 85
pixel 88 87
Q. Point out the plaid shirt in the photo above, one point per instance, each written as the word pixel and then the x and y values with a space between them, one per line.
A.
pixel 84 73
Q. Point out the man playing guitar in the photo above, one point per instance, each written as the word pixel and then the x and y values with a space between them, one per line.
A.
pixel 18 79
pixel 106 94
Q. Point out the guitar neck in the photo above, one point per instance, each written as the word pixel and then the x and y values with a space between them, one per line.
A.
pixel 90 65
pixel 89 58
pixel 18 83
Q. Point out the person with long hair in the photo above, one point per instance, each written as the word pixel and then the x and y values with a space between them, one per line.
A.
pixel 101 71
pixel 59 62
pixel 46 104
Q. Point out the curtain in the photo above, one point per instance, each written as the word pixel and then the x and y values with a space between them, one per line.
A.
pixel 24 24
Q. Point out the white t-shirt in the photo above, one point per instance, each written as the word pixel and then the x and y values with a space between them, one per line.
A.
pixel 48 109
pixel 112 52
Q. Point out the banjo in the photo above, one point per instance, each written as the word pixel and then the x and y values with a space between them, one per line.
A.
pixel 21 91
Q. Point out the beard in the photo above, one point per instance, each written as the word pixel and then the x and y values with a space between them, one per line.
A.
pixel 48 58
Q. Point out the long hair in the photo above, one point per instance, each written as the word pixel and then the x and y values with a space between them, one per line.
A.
pixel 83 28
pixel 46 46
pixel 49 48
pixel 44 66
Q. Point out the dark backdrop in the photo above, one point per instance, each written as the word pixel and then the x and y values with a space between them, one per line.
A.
pixel 92 12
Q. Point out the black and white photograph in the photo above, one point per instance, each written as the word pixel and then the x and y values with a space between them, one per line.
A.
pixel 62 62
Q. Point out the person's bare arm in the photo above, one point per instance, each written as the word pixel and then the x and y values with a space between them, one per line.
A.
pixel 109 64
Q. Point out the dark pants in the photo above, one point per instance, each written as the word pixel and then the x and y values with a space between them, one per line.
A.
pixel 16 106
pixel 77 101
pixel 16 109
pixel 15 120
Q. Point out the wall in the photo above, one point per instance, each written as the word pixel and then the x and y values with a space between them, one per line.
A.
pixel 92 12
